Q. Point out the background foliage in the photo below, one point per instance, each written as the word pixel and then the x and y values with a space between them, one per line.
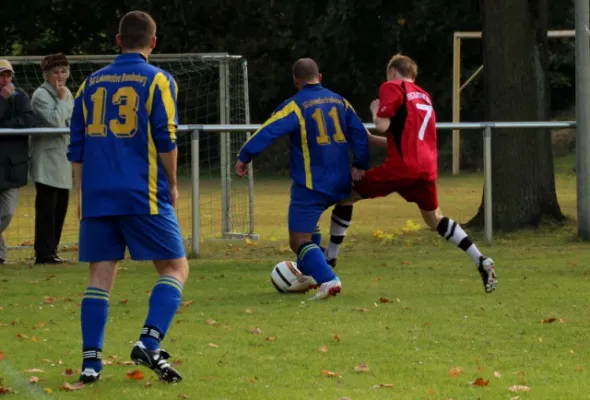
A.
pixel 351 39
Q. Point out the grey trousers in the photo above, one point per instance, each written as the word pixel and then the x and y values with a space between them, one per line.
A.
pixel 8 203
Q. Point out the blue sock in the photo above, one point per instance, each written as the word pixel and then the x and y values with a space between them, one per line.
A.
pixel 93 317
pixel 311 261
pixel 316 236
pixel 164 302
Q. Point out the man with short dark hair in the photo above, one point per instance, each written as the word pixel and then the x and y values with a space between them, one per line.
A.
pixel 15 113
pixel 323 128
pixel 124 155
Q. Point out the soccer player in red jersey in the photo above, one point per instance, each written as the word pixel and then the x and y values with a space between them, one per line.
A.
pixel 404 111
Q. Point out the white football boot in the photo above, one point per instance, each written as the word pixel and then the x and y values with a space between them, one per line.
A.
pixel 327 289
pixel 488 274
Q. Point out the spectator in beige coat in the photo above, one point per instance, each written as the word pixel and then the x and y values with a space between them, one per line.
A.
pixel 52 103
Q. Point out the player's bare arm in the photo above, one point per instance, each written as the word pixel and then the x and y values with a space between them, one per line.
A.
pixel 77 172
pixel 169 162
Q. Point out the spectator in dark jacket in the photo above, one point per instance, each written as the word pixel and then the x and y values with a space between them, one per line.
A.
pixel 15 113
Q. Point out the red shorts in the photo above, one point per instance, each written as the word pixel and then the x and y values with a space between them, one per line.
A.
pixel 378 184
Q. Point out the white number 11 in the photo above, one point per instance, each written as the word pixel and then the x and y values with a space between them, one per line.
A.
pixel 428 109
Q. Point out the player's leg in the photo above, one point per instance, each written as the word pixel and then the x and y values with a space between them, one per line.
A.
pixel 102 245
pixel 424 193
pixel 339 223
pixel 158 238
pixel 372 186
pixel 305 210
pixel 316 236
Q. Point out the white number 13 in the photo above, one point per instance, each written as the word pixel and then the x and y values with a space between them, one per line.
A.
pixel 428 109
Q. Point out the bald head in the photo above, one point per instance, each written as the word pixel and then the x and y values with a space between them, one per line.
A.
pixel 306 70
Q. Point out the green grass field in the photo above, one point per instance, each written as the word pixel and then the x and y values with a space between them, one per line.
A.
pixel 413 321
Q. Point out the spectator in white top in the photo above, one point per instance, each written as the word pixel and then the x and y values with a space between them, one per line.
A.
pixel 51 171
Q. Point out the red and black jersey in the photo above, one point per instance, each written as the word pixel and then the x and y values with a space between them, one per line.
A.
pixel 412 152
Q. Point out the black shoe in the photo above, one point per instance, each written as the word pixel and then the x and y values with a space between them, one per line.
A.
pixel 49 260
pixel 89 376
pixel 156 360
pixel 332 263
pixel 2 261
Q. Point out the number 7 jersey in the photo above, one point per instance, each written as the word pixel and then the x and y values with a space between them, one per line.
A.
pixel 412 152
pixel 124 116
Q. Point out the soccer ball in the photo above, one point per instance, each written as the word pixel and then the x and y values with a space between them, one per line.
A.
pixel 287 278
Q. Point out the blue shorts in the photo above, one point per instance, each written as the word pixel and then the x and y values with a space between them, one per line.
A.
pixel 148 237
pixel 306 208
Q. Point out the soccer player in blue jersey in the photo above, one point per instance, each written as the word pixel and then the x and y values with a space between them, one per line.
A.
pixel 323 128
pixel 124 153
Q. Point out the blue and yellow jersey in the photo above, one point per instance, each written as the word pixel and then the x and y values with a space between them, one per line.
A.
pixel 124 116
pixel 323 128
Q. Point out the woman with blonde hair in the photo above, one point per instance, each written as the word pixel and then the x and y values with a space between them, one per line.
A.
pixel 51 171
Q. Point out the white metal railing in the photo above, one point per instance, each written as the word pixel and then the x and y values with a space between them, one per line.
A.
pixel 195 130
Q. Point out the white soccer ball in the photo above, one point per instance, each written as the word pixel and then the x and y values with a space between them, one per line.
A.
pixel 287 278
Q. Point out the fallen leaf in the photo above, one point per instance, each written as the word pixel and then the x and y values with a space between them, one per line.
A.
pixel 323 349
pixel 384 386
pixel 519 373
pixel 48 300
pixel 185 304
pixel 337 338
pixel 107 362
pixel 384 300
pixel 330 374
pixel 71 388
pixel 455 371
pixel 34 339
pixel 135 375
pixel 515 398
pixel 497 374
pixel 5 390
pixel 21 336
pixel 34 379
pixel 248 311
pixel 256 331
pixel 519 388
pixel 480 382
pixel 69 372
pixel 34 371
pixel 270 338
pixel 177 363
pixel 126 363
pixel 360 309
pixel 213 345
pixel 253 380
pixel 211 322
pixel 184 396
pixel 580 369
pixel 361 368
pixel 549 320
pixel 124 301
pixel 2 356
pixel 3 325
pixel 47 360
pixel 39 325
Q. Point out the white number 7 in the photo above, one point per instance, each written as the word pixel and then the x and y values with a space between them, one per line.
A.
pixel 428 109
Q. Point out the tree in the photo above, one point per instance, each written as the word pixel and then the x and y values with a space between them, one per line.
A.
pixel 516 87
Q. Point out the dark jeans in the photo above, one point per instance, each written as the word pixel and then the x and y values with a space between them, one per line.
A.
pixel 51 206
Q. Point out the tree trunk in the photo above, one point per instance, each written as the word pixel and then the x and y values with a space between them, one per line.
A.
pixel 516 88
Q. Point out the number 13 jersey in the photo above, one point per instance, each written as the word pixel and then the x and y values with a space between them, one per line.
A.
pixel 124 115
pixel 411 139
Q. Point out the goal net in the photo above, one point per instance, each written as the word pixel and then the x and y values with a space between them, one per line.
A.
pixel 213 89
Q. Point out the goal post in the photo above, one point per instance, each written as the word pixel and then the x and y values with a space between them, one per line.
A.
pixel 213 89
pixel 458 86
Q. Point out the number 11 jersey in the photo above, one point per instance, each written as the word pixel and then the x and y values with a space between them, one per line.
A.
pixel 124 116
pixel 412 152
